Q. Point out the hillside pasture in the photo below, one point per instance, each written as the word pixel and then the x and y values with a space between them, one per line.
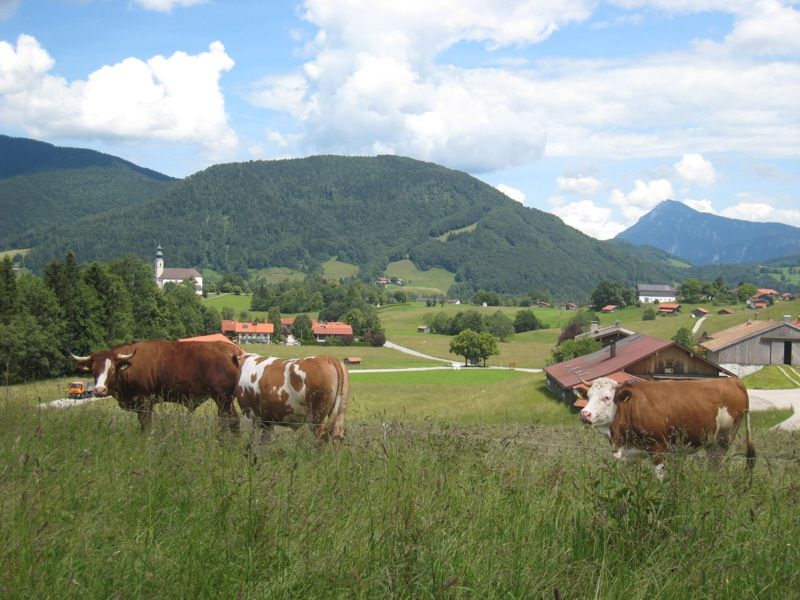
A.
pixel 334 270
pixel 432 282
pixel 413 508
pixel 12 253
pixel 238 302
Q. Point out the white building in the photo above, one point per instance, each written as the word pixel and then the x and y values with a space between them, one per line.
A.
pixel 174 275
pixel 651 292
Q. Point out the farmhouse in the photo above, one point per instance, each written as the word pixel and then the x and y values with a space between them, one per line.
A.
pixel 745 348
pixel 174 275
pixel 248 333
pixel 669 309
pixel 332 330
pixel 606 335
pixel 651 292
pixel 634 357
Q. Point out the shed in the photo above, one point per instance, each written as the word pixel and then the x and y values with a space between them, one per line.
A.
pixel 669 308
pixel 746 347
pixel 352 360
pixel 423 329
pixel 609 308
pixel 726 311
pixel 699 312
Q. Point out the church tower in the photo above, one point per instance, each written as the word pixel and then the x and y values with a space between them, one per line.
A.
pixel 158 263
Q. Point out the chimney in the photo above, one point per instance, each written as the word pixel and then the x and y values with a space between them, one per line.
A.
pixel 787 318
pixel 612 349
pixel 595 326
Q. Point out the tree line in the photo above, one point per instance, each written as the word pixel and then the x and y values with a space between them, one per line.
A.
pixel 84 308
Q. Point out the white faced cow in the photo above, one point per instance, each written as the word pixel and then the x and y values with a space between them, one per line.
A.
pixel 311 390
pixel 652 416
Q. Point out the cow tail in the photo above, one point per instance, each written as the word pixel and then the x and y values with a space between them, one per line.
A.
pixel 336 425
pixel 750 454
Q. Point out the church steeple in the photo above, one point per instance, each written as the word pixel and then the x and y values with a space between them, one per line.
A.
pixel 158 263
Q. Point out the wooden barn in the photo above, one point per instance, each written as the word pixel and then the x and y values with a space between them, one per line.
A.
pixel 634 357
pixel 755 343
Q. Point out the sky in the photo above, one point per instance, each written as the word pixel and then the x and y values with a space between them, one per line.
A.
pixel 593 110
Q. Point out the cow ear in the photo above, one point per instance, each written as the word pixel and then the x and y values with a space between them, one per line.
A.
pixel 622 396
pixel 236 361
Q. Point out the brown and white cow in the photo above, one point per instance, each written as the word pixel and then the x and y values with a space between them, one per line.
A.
pixel 652 416
pixel 141 374
pixel 312 390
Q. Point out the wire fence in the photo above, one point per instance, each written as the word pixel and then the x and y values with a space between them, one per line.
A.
pixel 385 429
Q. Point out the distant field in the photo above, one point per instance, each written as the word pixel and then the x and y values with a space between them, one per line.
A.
pixel 237 303
pixel 277 275
pixel 433 281
pixel 790 277
pixel 372 358
pixel 13 253
pixel 333 269
pixel 446 235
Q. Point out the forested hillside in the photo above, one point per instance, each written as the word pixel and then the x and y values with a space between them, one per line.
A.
pixel 42 185
pixel 367 211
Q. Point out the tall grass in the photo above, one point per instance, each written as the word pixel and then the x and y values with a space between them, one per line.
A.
pixel 93 509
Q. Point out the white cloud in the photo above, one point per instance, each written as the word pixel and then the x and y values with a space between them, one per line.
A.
pixel 166 5
pixel 584 186
pixel 762 212
pixel 176 98
pixel 373 81
pixel 591 219
pixel 511 192
pixel 696 169
pixel 644 197
pixel 700 205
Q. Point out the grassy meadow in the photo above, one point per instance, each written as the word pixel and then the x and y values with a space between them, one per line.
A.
pixel 503 494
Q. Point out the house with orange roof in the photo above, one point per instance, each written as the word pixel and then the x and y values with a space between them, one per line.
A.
pixel 324 331
pixel 248 333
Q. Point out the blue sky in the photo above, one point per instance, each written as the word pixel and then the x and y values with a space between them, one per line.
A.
pixel 595 111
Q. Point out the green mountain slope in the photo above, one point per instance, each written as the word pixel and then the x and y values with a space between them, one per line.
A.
pixel 42 186
pixel 367 211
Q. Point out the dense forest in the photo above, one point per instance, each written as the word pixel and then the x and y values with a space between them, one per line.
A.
pixel 42 186
pixel 366 211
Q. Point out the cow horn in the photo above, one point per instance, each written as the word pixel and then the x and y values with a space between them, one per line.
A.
pixel 79 358
pixel 125 356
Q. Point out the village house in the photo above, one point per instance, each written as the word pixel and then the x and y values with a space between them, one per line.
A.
pixel 746 348
pixel 332 330
pixel 248 333
pixel 651 292
pixel 609 308
pixel 634 357
pixel 165 275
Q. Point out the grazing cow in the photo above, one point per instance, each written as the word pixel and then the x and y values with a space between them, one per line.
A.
pixel 650 416
pixel 312 390
pixel 140 374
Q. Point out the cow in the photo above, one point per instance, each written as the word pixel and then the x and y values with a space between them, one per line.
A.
pixel 140 374
pixel 652 416
pixel 314 390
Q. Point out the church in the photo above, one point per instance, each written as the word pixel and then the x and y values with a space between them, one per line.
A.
pixel 175 275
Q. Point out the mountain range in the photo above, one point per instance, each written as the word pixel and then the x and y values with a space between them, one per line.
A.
pixel 703 239
pixel 298 213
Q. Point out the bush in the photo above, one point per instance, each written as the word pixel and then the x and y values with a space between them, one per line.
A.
pixel 649 314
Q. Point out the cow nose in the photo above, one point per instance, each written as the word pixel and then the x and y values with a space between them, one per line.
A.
pixel 586 416
pixel 100 391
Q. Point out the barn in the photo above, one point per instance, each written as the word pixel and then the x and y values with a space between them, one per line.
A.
pixel 745 348
pixel 635 357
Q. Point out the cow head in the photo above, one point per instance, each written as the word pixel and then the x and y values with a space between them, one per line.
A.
pixel 600 409
pixel 104 366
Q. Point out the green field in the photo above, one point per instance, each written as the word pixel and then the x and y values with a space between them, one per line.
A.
pixel 333 269
pixel 772 377
pixel 13 253
pixel 464 484
pixel 432 282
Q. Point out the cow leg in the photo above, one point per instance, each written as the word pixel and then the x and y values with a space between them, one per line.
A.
pixel 227 415
pixel 145 414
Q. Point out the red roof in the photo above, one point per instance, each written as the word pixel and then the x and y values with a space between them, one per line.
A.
pixel 288 321
pixel 769 291
pixel 253 327
pixel 609 308
pixel 702 310
pixel 669 307
pixel 214 337
pixel 331 328
pixel 629 350
pixel 228 325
